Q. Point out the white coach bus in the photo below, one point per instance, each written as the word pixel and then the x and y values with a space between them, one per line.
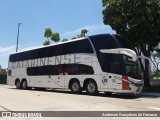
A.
pixel 95 63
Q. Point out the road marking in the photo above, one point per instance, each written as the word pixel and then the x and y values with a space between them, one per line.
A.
pixel 4 108
pixel 154 108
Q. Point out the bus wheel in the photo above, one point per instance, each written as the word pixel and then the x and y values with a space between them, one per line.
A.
pixel 18 84
pixel 75 87
pixel 24 85
pixel 91 88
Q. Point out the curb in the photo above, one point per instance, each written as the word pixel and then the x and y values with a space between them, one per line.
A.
pixel 150 94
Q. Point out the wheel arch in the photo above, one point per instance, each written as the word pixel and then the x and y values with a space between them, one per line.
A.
pixel 23 79
pixel 71 80
pixel 16 80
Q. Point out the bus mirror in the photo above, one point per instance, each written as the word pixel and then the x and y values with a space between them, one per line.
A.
pixel 145 58
pixel 123 51
pixel 116 51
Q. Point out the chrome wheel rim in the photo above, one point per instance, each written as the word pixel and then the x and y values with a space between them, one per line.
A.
pixel 18 84
pixel 91 87
pixel 24 84
pixel 75 86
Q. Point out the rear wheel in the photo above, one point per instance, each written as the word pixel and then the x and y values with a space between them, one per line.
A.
pixel 18 84
pixel 24 85
pixel 91 88
pixel 75 87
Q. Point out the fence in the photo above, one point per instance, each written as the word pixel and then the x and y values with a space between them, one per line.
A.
pixel 3 79
pixel 155 80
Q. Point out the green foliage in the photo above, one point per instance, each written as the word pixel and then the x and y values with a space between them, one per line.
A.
pixel 79 36
pixel 46 42
pixel 155 58
pixel 50 36
pixel 64 40
pixel 136 20
pixel 3 72
pixel 84 32
pixel 48 33
pixel 55 37
pixel 74 38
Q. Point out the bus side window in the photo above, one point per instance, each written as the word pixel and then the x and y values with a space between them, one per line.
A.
pixel 9 72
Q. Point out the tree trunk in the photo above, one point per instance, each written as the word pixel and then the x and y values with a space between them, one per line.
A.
pixel 146 74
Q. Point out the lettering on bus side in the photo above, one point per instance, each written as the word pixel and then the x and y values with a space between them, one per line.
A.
pixel 58 60
pixel 55 60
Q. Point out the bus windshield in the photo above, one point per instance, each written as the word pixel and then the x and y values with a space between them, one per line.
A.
pixel 132 68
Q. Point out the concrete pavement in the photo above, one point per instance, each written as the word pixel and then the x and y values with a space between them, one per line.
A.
pixel 53 100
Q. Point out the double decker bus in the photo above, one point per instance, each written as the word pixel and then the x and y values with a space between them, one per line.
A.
pixel 98 63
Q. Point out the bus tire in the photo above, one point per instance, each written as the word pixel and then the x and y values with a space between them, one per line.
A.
pixel 91 88
pixel 24 84
pixel 75 87
pixel 18 84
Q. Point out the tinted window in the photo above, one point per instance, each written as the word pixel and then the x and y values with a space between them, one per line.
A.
pixel 80 46
pixel 32 54
pixel 103 42
pixel 70 69
pixel 111 63
pixel 123 43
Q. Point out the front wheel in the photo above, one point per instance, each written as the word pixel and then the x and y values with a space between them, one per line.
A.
pixel 91 88
pixel 75 87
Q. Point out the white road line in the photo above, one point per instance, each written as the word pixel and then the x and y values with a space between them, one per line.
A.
pixel 154 108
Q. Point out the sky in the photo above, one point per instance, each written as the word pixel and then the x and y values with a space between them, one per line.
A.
pixel 66 17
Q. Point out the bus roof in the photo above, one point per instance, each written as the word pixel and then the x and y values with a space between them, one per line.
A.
pixel 50 45
pixel 60 43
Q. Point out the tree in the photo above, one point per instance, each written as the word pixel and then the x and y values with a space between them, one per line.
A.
pixel 138 21
pixel 155 58
pixel 84 32
pixel 55 37
pixel 74 38
pixel 50 36
pixel 46 42
pixel 64 40
pixel 3 72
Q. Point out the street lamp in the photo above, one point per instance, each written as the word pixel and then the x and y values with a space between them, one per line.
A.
pixel 18 36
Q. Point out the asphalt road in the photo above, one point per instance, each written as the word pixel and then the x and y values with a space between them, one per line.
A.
pixel 12 99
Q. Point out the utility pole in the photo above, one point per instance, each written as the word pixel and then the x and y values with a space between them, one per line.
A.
pixel 18 36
